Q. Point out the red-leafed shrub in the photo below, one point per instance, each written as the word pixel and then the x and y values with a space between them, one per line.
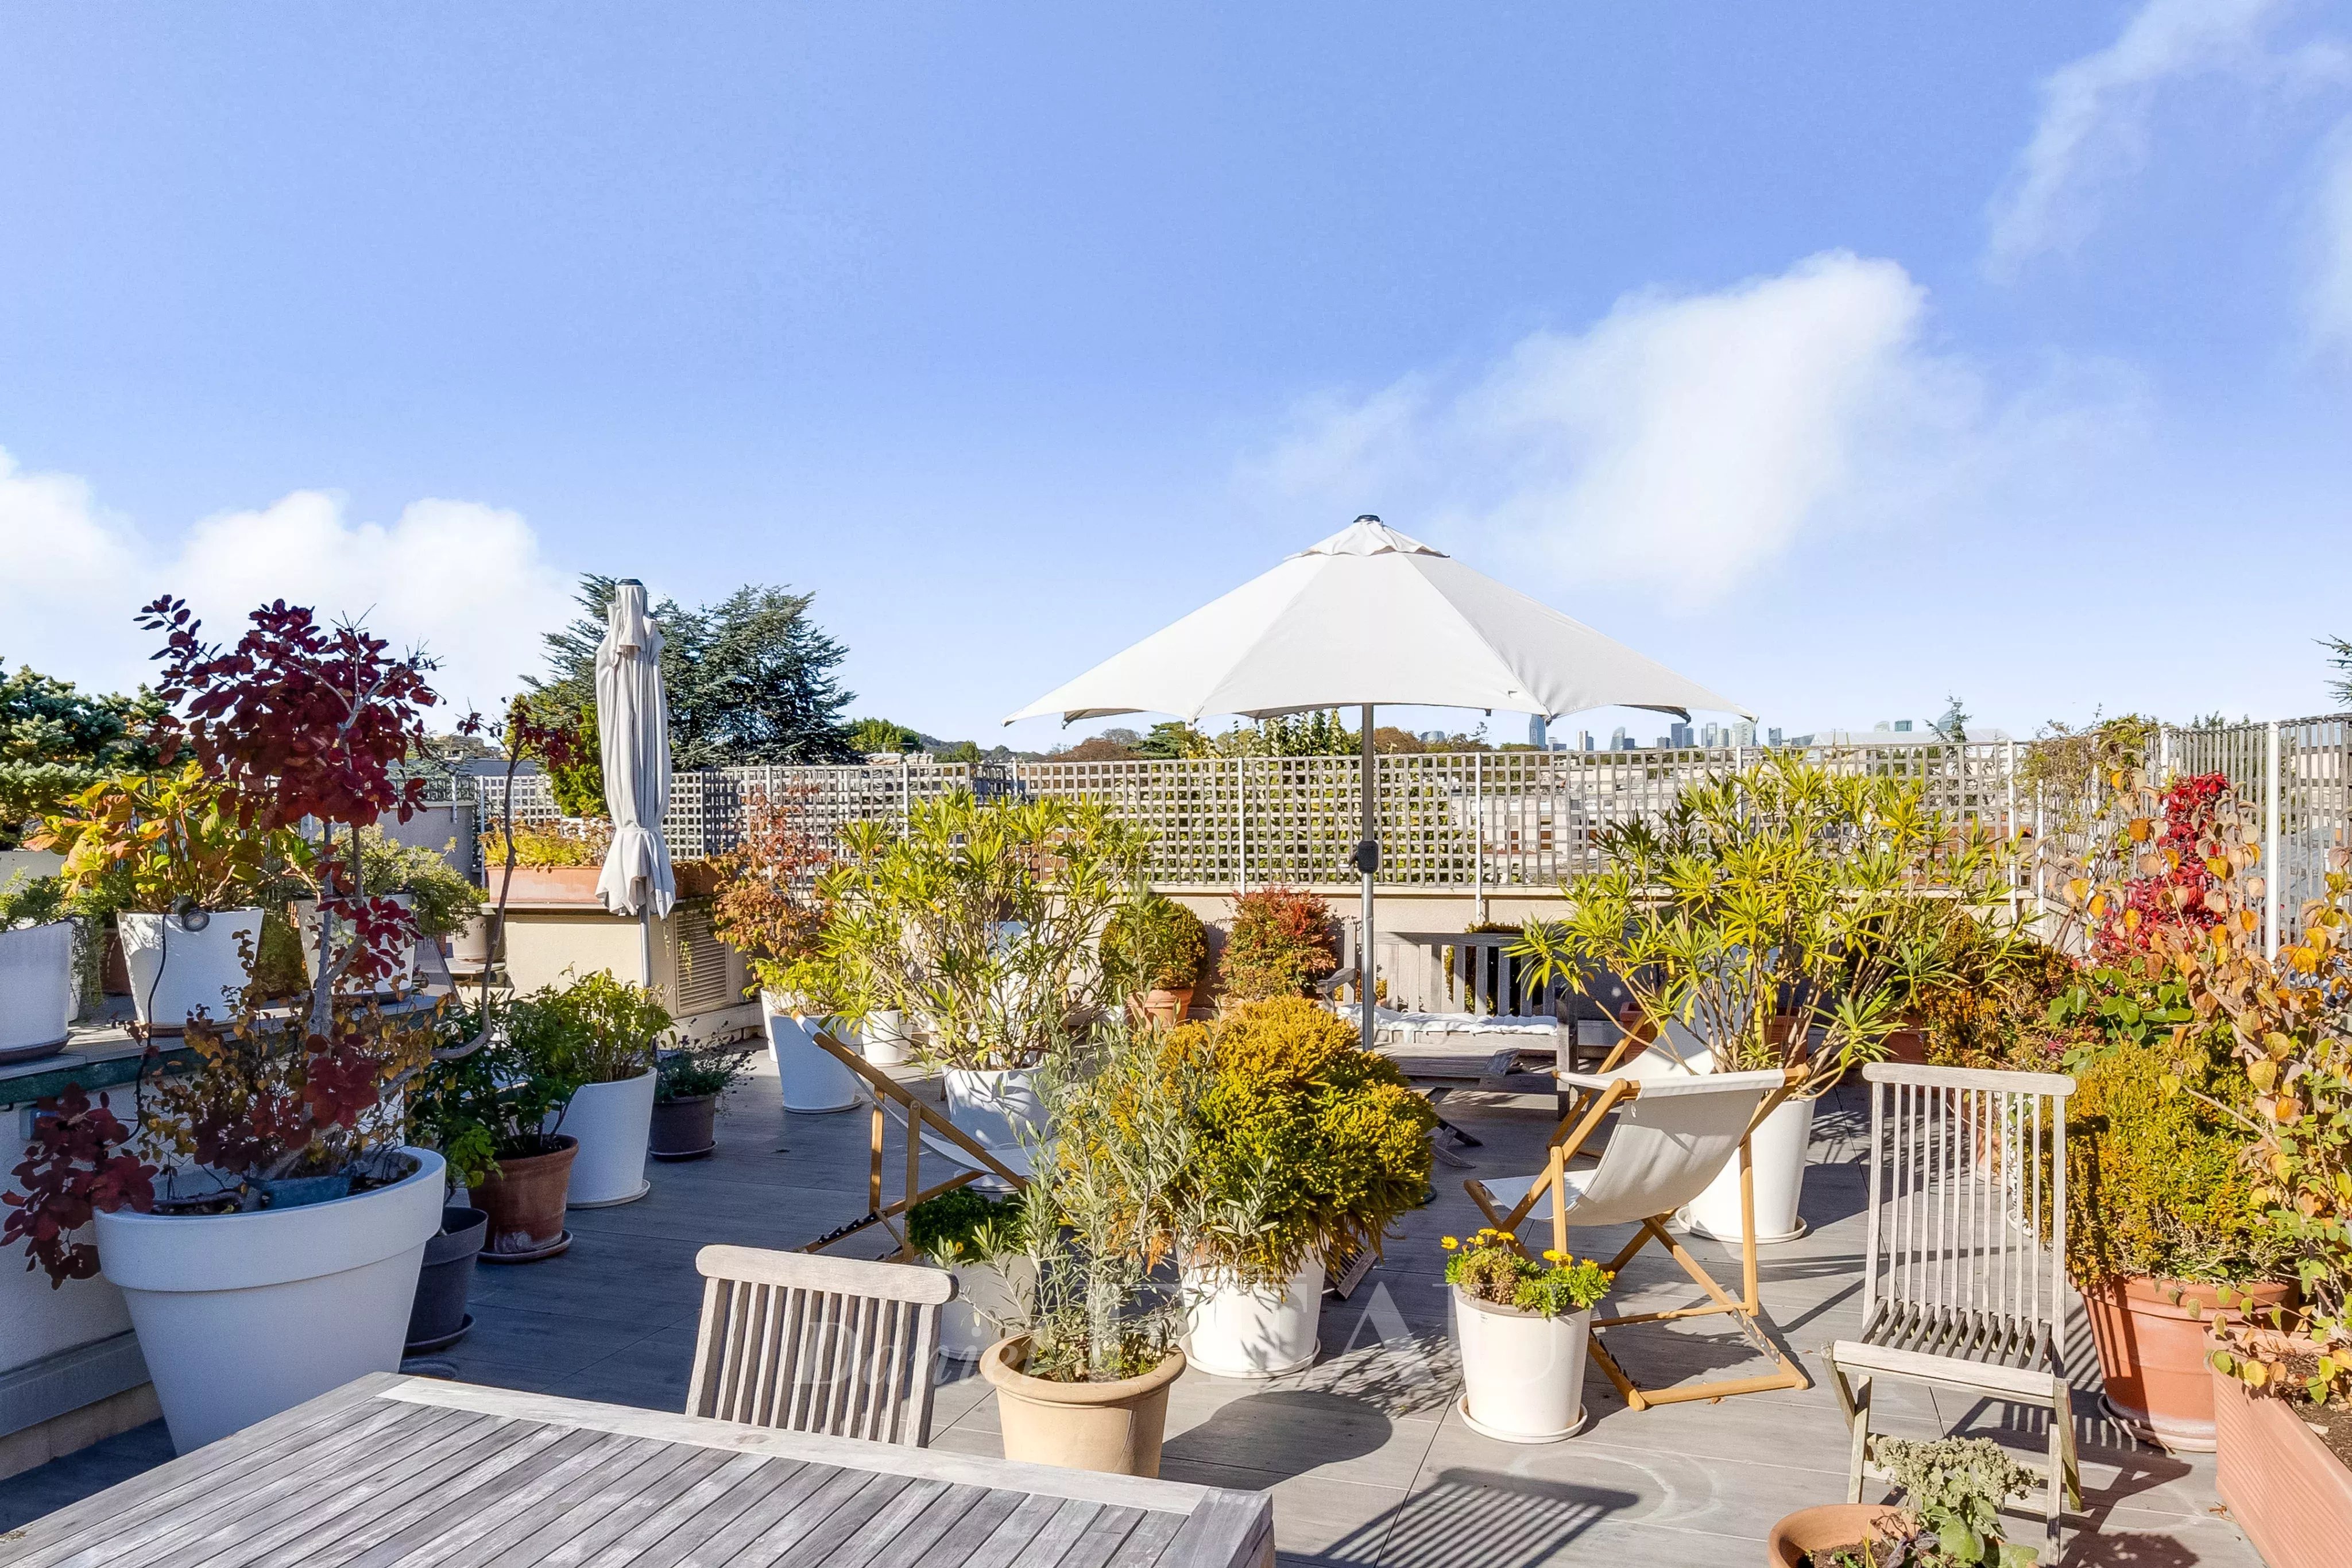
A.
pixel 1280 945
pixel 2182 866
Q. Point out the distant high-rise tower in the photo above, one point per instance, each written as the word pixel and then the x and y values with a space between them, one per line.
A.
pixel 1711 736
pixel 1677 736
pixel 1538 732
pixel 1583 740
pixel 1744 732
pixel 1621 741
pixel 1772 738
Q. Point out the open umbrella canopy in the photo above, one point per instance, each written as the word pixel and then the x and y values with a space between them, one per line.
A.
pixel 632 732
pixel 1372 616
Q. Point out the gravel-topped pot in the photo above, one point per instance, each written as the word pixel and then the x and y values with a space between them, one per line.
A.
pixel 176 972
pixel 1522 1373
pixel 36 989
pixel 684 1127
pixel 1111 1426
pixel 240 1316
pixel 1777 1151
pixel 524 1198
pixel 437 1316
pixel 812 1079
pixel 612 1123
pixel 1237 1331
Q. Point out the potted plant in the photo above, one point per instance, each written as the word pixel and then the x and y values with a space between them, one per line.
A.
pixel 277 1258
pixel 771 908
pixel 688 1085
pixel 437 1317
pixel 1302 1145
pixel 551 862
pixel 439 899
pixel 1952 1488
pixel 1278 945
pixel 1083 1384
pixel 1157 947
pixel 485 1105
pixel 979 1240
pixel 981 919
pixel 174 859
pixel 1520 1327
pixel 37 967
pixel 1788 916
pixel 601 1034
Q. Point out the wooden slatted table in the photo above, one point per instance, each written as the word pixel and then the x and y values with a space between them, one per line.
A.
pixel 416 1471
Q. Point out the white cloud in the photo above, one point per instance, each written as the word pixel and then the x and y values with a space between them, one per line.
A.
pixel 2093 125
pixel 2328 297
pixel 1682 443
pixel 466 581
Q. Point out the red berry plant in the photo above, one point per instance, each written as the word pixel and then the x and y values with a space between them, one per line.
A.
pixel 299 721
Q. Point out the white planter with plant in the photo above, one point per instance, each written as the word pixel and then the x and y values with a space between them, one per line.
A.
pixel 181 965
pixel 1001 1110
pixel 400 972
pixel 1791 918
pixel 611 1121
pixel 37 967
pixel 241 1315
pixel 601 1033
pixel 1234 1329
pixel 1520 1324
pixel 884 1038
pixel 1777 1160
pixel 1302 1146
pixel 812 1079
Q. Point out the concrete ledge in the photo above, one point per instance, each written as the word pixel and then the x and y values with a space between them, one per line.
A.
pixel 72 1399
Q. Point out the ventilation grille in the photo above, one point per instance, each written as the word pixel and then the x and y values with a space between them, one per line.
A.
pixel 703 978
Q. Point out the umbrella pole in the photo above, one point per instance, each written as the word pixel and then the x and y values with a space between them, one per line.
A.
pixel 1367 861
pixel 645 940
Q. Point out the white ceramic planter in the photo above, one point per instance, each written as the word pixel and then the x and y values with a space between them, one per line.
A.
pixel 1777 1151
pixel 811 1078
pixel 36 989
pixel 243 1315
pixel 883 1039
pixel 612 1122
pixel 1232 1331
pixel 991 1299
pixel 404 973
pixel 1522 1373
pixel 996 1110
pixel 176 973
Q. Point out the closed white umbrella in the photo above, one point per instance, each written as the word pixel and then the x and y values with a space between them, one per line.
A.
pixel 632 732
pixel 1370 616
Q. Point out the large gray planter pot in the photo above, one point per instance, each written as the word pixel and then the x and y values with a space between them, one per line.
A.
pixel 438 1316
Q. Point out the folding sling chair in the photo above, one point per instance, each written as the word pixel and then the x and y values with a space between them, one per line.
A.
pixel 927 1131
pixel 1675 1135
pixel 1964 1279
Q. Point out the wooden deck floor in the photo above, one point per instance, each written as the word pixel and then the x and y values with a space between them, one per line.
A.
pixel 1367 1460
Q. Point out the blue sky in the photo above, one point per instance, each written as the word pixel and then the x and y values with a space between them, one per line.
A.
pixel 1843 356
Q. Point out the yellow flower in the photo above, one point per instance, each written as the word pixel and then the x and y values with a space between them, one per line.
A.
pixel 1449 1242
pixel 1552 1256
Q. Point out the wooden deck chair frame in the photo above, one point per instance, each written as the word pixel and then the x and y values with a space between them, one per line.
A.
pixel 1566 1143
pixel 1960 1289
pixel 924 1125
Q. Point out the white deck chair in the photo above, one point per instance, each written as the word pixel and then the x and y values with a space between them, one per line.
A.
pixel 1964 1279
pixel 833 1345
pixel 927 1131
pixel 1673 1135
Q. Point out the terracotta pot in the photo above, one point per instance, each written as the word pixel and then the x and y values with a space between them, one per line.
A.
pixel 1909 1046
pixel 1828 1526
pixel 685 1128
pixel 1169 1005
pixel 2151 1340
pixel 525 1199
pixel 548 883
pixel 1110 1426
pixel 113 971
pixel 2290 1494
pixel 1637 1023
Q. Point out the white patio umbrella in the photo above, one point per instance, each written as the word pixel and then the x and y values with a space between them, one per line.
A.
pixel 632 732
pixel 1366 617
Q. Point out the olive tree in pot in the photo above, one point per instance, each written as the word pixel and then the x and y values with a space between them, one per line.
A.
pixel 687 1086
pixel 1303 1145
pixel 1789 916
pixel 277 1256
pixel 1520 1326
pixel 1084 1383
pixel 37 938
pixel 982 920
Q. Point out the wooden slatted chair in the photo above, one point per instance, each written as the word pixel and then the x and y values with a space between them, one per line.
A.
pixel 833 1345
pixel 927 1131
pixel 1675 1135
pixel 1964 1281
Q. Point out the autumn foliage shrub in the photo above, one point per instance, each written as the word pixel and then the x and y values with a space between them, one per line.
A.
pixel 1279 945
